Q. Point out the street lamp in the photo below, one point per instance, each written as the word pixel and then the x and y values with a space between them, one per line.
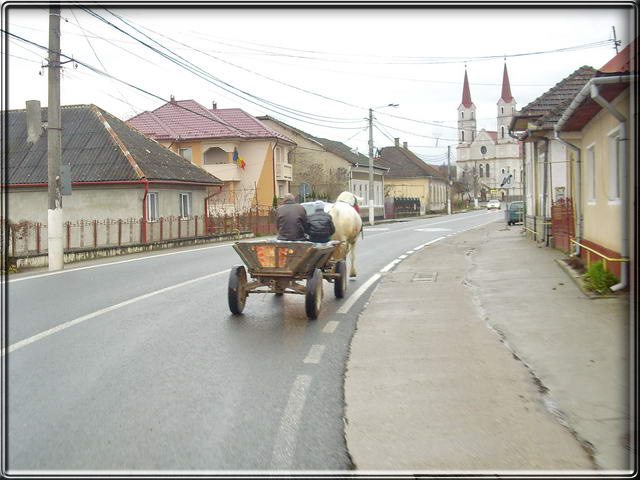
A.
pixel 371 212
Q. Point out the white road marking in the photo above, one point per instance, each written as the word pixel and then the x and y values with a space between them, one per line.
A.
pixel 315 354
pixel 358 293
pixel 433 229
pixel 331 326
pixel 59 272
pixel 389 266
pixel 402 256
pixel 76 321
pixel 409 252
pixel 375 229
pixel 431 242
pixel 285 444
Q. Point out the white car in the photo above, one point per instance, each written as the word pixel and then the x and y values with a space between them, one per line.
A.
pixel 491 204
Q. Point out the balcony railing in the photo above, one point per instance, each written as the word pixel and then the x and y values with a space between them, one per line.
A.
pixel 283 171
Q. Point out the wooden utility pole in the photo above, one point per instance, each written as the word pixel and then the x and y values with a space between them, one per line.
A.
pixel 371 212
pixel 54 146
pixel 449 178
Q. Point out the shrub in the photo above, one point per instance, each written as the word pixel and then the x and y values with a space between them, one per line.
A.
pixel 598 279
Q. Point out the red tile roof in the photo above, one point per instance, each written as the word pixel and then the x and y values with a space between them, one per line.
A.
pixel 493 135
pixel 621 63
pixel 187 119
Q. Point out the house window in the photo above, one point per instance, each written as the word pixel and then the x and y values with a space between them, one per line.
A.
pixel 279 154
pixel 185 205
pixel 152 206
pixel 486 170
pixel 186 153
pixel 614 165
pixel 591 173
pixel 281 191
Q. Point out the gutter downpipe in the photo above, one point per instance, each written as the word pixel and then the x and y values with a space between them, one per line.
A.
pixel 144 210
pixel 545 191
pixel 624 210
pixel 523 179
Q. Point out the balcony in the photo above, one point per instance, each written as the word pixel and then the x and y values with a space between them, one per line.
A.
pixel 283 171
pixel 227 172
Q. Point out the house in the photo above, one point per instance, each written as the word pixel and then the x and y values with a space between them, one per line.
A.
pixel 116 172
pixel 485 157
pixel 599 125
pixel 411 177
pixel 330 167
pixel 548 163
pixel 249 157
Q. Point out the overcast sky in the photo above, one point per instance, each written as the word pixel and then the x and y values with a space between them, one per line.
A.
pixel 365 57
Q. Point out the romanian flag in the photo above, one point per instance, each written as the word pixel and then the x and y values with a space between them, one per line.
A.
pixel 237 160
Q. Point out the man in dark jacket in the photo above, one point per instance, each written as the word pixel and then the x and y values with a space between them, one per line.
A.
pixel 292 220
pixel 320 225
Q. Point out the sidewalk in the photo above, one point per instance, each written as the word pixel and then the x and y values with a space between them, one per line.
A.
pixel 500 364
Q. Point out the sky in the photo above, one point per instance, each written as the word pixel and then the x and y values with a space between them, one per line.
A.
pixel 318 69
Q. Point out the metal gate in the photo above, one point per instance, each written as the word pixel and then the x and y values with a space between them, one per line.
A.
pixel 562 227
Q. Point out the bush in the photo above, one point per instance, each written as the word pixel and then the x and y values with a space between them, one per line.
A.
pixel 598 279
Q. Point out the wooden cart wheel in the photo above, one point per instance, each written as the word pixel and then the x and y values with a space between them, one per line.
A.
pixel 340 283
pixel 237 293
pixel 313 297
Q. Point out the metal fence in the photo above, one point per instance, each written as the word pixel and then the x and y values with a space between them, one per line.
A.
pixel 30 238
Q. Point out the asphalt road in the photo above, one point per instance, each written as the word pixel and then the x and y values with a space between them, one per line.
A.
pixel 135 363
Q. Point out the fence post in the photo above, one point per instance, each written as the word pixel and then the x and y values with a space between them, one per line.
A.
pixel 13 241
pixel 38 237
pixel 95 234
pixel 161 220
pixel 179 226
pixel 170 227
pixel 68 236
pixel 195 226
pixel 119 231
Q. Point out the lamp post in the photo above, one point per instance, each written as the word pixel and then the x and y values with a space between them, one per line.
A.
pixel 371 212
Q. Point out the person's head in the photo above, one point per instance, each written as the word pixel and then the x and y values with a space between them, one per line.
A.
pixel 318 205
pixel 289 198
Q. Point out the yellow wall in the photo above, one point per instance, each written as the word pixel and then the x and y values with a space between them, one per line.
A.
pixel 602 223
pixel 408 187
pixel 266 179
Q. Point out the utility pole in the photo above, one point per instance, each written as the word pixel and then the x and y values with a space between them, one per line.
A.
pixel 371 212
pixel 615 39
pixel 54 146
pixel 449 183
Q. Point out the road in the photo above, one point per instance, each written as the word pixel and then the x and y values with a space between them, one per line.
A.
pixel 135 363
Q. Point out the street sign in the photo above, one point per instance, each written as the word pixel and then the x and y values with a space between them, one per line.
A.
pixel 507 180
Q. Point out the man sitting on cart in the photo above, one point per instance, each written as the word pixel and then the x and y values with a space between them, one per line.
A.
pixel 320 225
pixel 292 220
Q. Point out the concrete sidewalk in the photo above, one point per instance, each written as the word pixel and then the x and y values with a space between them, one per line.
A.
pixel 500 364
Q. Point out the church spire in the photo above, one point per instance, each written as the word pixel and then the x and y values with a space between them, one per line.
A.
pixel 506 87
pixel 466 93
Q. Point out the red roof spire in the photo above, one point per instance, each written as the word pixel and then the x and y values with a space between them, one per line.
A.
pixel 506 87
pixel 466 93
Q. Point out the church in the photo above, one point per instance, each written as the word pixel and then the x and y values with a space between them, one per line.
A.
pixel 485 157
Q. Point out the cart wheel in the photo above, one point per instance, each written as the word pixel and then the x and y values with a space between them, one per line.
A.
pixel 340 284
pixel 313 297
pixel 237 293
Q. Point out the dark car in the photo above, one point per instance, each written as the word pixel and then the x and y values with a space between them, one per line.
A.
pixel 514 212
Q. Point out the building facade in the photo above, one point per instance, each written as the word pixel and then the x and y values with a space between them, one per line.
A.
pixel 485 157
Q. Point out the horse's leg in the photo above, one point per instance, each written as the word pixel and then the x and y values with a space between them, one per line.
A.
pixel 352 249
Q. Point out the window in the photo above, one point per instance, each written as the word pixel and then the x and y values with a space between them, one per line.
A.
pixel 152 206
pixel 486 170
pixel 481 170
pixel 471 114
pixel 502 132
pixel 186 153
pixel 462 133
pixel 591 173
pixel 614 165
pixel 483 150
pixel 501 110
pixel 473 135
pixel 279 154
pixel 281 191
pixel 502 171
pixel 185 205
pixel 215 156
pixel 461 114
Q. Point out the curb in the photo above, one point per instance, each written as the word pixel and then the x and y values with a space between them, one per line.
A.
pixel 577 279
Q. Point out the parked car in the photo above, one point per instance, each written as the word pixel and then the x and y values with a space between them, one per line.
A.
pixel 493 203
pixel 513 212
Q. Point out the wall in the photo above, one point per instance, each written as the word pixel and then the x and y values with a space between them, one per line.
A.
pixel 409 187
pixel 602 224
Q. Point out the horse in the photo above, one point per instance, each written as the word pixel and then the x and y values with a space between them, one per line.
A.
pixel 348 224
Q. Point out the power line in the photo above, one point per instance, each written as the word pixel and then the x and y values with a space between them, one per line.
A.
pixel 418 134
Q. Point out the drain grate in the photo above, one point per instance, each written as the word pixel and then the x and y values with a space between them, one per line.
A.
pixel 425 277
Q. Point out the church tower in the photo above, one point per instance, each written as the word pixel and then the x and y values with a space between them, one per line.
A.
pixel 466 115
pixel 506 110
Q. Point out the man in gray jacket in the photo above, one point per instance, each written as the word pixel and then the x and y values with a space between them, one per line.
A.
pixel 292 220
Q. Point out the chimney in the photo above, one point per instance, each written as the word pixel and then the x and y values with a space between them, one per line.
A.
pixel 397 139
pixel 34 121
pixel 172 99
pixel 404 145
pixel 214 105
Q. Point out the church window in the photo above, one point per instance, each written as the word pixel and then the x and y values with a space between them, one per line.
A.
pixel 503 170
pixel 501 110
pixel 472 114
pixel 486 170
pixel 462 132
pixel 483 150
pixel 461 114
pixel 502 131
pixel 481 171
pixel 473 136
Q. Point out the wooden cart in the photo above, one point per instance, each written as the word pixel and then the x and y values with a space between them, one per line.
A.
pixel 280 267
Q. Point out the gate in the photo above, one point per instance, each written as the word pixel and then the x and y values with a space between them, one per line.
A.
pixel 562 227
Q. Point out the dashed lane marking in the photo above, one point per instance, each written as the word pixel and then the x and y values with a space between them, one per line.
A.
pixel 331 326
pixel 315 354
pixel 358 293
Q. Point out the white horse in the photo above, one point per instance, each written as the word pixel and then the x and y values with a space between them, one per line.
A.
pixel 348 224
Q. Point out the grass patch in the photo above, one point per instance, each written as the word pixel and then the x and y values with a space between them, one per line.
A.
pixel 599 280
